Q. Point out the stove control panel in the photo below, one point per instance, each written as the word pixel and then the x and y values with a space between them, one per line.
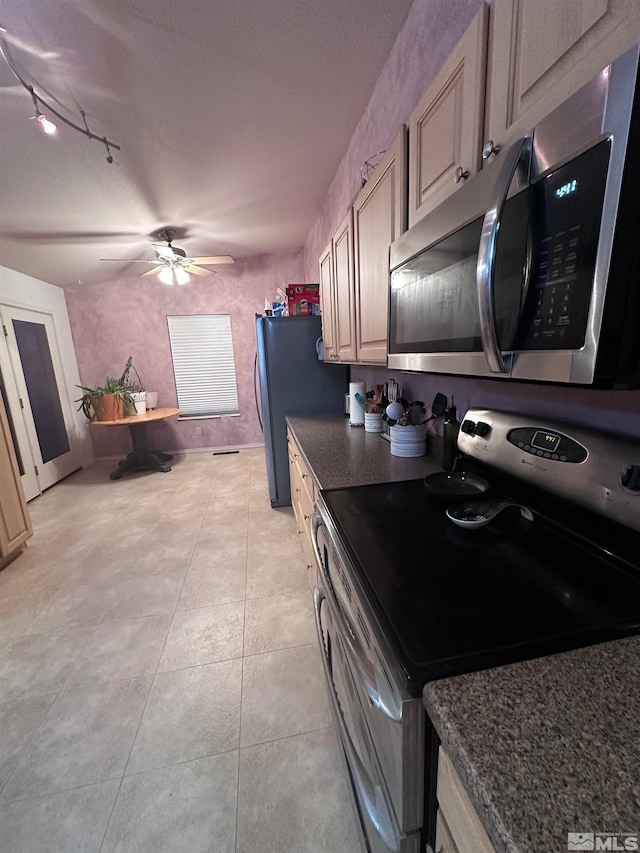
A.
pixel 548 444
pixel 590 467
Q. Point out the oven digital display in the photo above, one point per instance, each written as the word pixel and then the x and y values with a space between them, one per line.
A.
pixel 545 441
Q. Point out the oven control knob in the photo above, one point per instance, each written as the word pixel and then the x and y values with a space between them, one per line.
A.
pixel 469 427
pixel 630 479
pixel 482 429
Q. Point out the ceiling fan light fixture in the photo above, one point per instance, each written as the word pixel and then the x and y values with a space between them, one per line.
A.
pixel 166 275
pixel 181 276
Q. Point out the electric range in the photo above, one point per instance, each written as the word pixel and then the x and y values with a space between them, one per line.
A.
pixel 405 596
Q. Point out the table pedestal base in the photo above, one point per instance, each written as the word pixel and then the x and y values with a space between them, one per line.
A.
pixel 141 459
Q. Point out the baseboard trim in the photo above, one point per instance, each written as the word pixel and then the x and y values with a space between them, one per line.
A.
pixel 184 452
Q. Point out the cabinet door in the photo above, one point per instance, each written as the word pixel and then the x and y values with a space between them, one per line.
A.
pixel 327 304
pixel 542 51
pixel 379 217
pixel 15 525
pixel 345 328
pixel 445 128
pixel 460 826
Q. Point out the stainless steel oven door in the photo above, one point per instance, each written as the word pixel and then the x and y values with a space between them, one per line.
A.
pixel 380 830
pixel 394 721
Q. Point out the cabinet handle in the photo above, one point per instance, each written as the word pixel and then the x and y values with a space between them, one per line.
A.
pixel 489 148
pixel 460 174
pixel 304 476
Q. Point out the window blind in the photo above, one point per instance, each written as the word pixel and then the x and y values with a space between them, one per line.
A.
pixel 203 364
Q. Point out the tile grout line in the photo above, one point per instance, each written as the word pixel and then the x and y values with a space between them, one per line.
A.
pixel 144 708
pixel 30 746
pixel 244 628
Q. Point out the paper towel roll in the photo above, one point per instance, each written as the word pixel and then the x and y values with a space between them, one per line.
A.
pixel 356 412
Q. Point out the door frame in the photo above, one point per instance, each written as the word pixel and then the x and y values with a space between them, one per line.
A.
pixel 56 469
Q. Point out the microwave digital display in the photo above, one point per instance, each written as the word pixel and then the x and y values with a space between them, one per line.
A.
pixel 567 189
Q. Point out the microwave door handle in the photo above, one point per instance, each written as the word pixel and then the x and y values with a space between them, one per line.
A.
pixel 520 152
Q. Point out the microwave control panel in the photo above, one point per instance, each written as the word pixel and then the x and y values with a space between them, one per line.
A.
pixel 565 216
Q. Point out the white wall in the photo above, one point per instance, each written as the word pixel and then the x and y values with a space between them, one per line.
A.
pixel 22 291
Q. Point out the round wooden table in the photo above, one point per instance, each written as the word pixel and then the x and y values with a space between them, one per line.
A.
pixel 141 458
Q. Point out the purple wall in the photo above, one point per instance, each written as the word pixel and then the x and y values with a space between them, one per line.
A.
pixel 126 317
pixel 431 30
pixel 429 34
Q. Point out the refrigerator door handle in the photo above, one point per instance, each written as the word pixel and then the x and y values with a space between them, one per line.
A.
pixel 255 390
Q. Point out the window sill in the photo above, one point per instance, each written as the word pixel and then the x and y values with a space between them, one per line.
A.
pixel 207 417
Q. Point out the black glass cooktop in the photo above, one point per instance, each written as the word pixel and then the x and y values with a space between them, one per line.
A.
pixel 451 600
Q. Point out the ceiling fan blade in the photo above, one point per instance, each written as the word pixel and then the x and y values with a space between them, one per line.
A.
pixel 192 269
pixel 128 261
pixel 164 252
pixel 154 271
pixel 215 259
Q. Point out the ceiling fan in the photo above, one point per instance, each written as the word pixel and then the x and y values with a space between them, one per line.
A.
pixel 172 266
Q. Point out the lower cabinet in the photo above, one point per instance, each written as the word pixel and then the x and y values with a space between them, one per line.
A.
pixel 15 524
pixel 458 827
pixel 303 498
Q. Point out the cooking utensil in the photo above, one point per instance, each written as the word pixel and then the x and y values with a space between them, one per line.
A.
pixel 447 484
pixel 438 406
pixel 479 513
pixel 361 401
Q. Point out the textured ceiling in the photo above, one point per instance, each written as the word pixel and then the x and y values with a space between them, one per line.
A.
pixel 232 117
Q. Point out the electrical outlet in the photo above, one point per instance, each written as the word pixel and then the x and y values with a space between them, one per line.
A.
pixel 198 430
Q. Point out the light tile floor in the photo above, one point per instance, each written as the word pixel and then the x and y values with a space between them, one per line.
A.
pixel 160 685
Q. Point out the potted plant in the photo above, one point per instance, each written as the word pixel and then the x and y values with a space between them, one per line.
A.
pixel 104 402
pixel 138 403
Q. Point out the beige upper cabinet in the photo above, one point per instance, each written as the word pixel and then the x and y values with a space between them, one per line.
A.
pixel 445 128
pixel 542 51
pixel 327 304
pixel 15 524
pixel 345 325
pixel 379 217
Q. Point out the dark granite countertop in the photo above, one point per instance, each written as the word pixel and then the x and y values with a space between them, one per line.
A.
pixel 549 746
pixel 340 455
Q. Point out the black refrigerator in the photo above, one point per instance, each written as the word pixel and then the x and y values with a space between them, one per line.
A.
pixel 293 381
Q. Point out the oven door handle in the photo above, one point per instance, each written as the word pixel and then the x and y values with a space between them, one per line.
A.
pixel 520 152
pixel 315 522
pixel 370 796
pixel 382 699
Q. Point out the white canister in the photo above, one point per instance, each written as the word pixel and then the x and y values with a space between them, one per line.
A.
pixel 140 401
pixel 373 421
pixel 356 412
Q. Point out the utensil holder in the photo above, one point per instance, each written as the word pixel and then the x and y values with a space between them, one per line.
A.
pixel 408 441
pixel 373 421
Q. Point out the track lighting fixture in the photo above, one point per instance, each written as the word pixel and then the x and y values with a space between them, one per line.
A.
pixel 46 124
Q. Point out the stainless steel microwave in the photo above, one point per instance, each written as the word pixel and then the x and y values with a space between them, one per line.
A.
pixel 531 271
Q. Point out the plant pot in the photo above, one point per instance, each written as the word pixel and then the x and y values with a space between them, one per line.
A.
pixel 140 402
pixel 152 399
pixel 138 406
pixel 108 407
